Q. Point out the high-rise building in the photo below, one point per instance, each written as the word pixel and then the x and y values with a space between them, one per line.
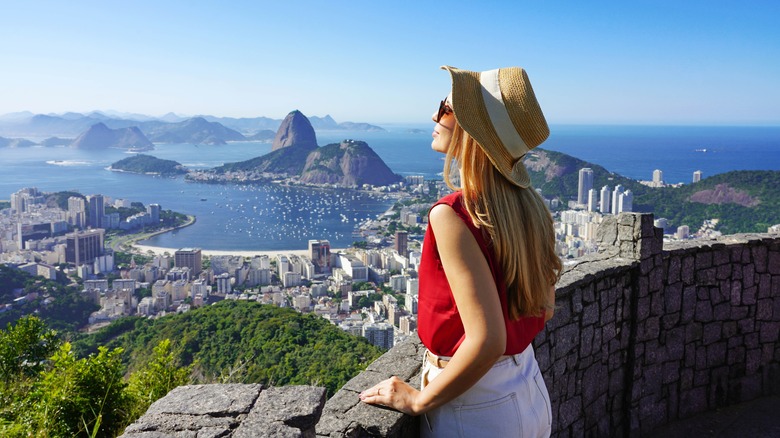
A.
pixel 77 212
pixel 154 213
pixel 319 251
pixel 95 209
pixel 697 176
pixel 84 247
pixel 658 178
pixel 379 334
pixel 592 200
pixel 402 242
pixel 586 183
pixel 604 200
pixel 682 232
pixel 616 198
pixel 626 202
pixel 191 258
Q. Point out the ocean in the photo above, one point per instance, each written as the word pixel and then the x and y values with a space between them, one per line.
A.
pixel 270 217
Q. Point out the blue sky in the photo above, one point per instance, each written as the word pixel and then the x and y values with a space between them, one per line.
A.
pixel 605 62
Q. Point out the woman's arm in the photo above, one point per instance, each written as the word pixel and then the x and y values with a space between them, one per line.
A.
pixel 474 290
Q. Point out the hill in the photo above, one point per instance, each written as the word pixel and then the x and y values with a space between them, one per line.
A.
pixel 349 163
pixel 100 136
pixel 254 343
pixel 196 130
pixel 15 143
pixel 744 201
pixel 149 164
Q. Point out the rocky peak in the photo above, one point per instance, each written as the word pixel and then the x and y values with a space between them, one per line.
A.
pixel 296 130
pixel 100 136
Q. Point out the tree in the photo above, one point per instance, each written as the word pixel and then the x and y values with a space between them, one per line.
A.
pixel 24 347
pixel 155 379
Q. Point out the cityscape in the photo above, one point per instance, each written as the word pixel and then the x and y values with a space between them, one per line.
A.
pixel 368 290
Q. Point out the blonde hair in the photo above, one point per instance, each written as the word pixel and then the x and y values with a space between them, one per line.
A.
pixel 519 225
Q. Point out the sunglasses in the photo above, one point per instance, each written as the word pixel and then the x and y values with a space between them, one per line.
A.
pixel 444 108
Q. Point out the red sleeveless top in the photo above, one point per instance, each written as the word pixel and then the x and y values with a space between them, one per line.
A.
pixel 438 320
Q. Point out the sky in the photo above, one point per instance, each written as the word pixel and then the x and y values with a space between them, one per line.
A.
pixel 676 62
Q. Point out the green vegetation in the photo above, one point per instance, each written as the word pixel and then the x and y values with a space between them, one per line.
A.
pixel 4 205
pixel 290 160
pixel 60 199
pixel 45 390
pixel 60 305
pixel 246 342
pixel 148 164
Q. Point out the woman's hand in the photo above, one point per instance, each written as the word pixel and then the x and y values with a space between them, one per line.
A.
pixel 393 393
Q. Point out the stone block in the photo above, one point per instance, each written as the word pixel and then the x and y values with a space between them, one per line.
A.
pixel 773 262
pixel 736 272
pixel 673 297
pixel 768 331
pixel 688 304
pixel 736 254
pixel 217 400
pixel 688 272
pixel 366 379
pixel 722 311
pixel 606 234
pixel 749 295
pixel 176 423
pixel 735 355
pixel 721 257
pixel 730 330
pixel 590 315
pixel 643 308
pixel 569 411
pixel 675 347
pixel 296 406
pixel 565 340
pixel 764 286
pixel 759 254
pixel 751 340
pixel 686 379
pixel 712 332
pixel 649 329
pixel 703 311
pixel 764 309
pixel 706 277
pixel 586 341
pixel 723 272
pixel 739 312
pixel 693 332
pixel 673 271
pixel 749 275
pixel 736 293
pixel 703 260
pixel 716 354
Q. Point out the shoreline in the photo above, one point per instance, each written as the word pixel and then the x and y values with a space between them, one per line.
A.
pixel 160 250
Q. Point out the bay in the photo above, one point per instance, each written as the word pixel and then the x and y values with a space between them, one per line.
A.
pixel 269 217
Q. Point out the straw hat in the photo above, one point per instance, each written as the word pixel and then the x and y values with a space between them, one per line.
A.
pixel 499 110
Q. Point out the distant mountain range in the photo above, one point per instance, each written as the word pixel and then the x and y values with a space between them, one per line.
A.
pixel 157 129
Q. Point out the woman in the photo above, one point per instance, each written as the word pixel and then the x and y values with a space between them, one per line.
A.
pixel 487 272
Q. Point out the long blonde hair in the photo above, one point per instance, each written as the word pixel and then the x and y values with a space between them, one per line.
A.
pixel 519 224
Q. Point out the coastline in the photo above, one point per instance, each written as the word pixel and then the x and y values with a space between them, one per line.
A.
pixel 159 250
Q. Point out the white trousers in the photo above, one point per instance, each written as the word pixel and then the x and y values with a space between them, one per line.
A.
pixel 511 400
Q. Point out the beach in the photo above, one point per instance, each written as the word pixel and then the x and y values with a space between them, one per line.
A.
pixel 159 250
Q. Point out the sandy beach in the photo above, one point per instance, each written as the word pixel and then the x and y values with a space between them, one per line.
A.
pixel 159 250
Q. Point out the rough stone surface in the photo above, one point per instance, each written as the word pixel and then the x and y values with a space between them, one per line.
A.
pixel 296 131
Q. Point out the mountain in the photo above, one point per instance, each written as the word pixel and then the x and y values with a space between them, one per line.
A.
pixel 148 164
pixel 196 130
pixel 351 126
pixel 15 143
pixel 100 136
pixel 349 163
pixel 326 122
pixel 56 141
pixel 296 130
pixel 264 135
pixel 246 125
pixel 295 153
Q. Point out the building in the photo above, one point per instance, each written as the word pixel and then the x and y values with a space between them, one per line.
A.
pixel 154 213
pixel 697 176
pixel 616 198
pixel 592 200
pixel 96 209
pixel 585 184
pixel 658 178
pixel 84 247
pixel 319 252
pixel 379 334
pixel 77 212
pixel 191 258
pixel 402 242
pixel 683 231
pixel 604 200
pixel 625 202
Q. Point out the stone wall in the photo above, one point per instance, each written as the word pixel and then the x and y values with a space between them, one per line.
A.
pixel 643 335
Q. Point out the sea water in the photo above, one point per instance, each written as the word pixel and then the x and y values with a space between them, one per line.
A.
pixel 271 217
